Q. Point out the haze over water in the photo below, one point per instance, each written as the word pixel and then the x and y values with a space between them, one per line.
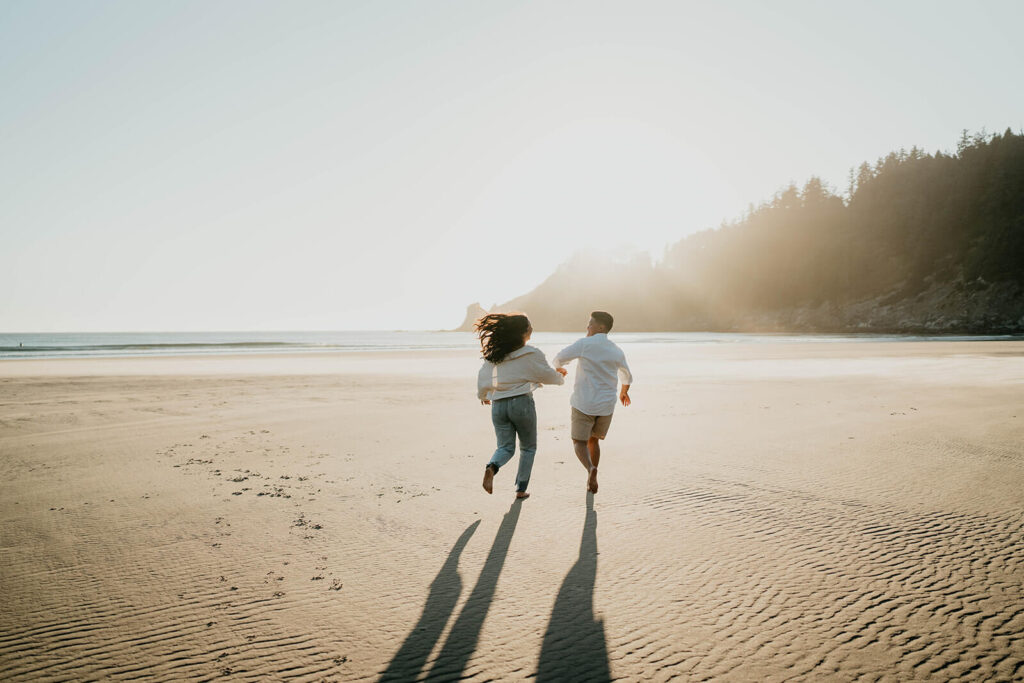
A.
pixel 125 344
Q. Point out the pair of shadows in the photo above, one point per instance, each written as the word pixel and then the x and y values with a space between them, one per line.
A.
pixel 574 646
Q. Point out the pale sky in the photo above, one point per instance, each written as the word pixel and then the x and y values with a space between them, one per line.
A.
pixel 242 165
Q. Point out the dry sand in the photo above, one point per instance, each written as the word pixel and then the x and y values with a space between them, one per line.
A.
pixel 787 511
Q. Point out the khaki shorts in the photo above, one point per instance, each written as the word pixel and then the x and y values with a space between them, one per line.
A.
pixel 584 427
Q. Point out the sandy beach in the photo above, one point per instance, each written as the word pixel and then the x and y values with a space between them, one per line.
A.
pixel 828 511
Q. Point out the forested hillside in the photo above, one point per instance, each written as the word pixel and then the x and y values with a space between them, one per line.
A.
pixel 917 242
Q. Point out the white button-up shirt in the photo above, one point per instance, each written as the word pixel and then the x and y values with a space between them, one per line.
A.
pixel 601 365
pixel 522 371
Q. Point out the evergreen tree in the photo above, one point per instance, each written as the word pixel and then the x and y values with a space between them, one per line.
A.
pixel 912 223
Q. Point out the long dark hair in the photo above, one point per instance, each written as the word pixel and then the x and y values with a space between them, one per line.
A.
pixel 501 334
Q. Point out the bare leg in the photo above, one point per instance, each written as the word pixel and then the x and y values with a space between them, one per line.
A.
pixel 594 446
pixel 582 453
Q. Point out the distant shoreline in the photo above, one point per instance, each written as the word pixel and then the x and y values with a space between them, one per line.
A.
pixel 113 346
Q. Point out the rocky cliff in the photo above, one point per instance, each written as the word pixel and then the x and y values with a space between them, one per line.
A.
pixel 473 313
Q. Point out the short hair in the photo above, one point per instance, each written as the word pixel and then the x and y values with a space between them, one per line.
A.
pixel 602 318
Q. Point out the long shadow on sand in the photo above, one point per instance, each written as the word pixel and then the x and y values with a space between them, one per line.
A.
pixel 444 593
pixel 574 647
pixel 465 633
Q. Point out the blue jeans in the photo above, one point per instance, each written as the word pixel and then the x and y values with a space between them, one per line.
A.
pixel 514 416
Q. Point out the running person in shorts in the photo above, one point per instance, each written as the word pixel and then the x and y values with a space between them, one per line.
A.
pixel 601 365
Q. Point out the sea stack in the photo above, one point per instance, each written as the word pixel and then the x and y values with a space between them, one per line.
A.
pixel 473 313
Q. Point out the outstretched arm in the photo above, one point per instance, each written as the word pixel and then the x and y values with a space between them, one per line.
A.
pixel 485 383
pixel 544 373
pixel 626 377
pixel 570 352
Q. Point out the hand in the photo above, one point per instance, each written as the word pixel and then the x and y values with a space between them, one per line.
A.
pixel 562 371
pixel 624 396
pixel 485 402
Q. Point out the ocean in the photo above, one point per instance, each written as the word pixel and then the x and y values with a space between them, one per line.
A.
pixel 116 344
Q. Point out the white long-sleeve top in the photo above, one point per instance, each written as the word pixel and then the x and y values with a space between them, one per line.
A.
pixel 601 365
pixel 521 372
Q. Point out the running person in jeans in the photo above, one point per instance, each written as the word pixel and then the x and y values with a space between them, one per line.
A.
pixel 510 373
pixel 601 365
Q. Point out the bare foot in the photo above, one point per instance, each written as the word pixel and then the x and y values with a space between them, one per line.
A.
pixel 592 480
pixel 488 479
pixel 522 495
